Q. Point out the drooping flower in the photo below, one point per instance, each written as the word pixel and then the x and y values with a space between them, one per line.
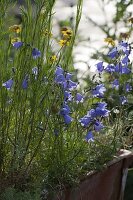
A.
pixel 101 110
pixel 36 53
pixel 8 84
pixel 98 126
pixel 113 53
pixel 126 70
pixel 79 98
pixel 17 45
pixel 85 121
pixel 123 100
pixel 59 71
pixel 118 68
pixel 68 76
pixel 124 47
pixel 125 60
pixel 71 85
pixel 35 71
pixel 91 113
pixel 60 79
pixel 98 91
pixel 67 119
pixel 128 87
pixel 89 137
pixel 68 96
pixel 110 68
pixel 115 84
pixel 25 82
pixel 100 67
pixel 16 42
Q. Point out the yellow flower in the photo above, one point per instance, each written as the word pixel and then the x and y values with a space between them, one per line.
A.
pixel 67 33
pixel 15 28
pixel 62 43
pixel 46 33
pixel 131 20
pixel 109 41
pixel 16 39
pixel 53 58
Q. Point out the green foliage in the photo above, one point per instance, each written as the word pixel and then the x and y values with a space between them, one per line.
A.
pixel 12 194
pixel 36 146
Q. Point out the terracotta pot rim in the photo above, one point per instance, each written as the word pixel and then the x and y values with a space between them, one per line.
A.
pixel 123 153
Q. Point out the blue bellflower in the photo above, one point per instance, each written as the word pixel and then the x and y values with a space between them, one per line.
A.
pixel 36 53
pixel 71 85
pixel 89 137
pixel 123 100
pixel 79 98
pixel 85 121
pixel 35 71
pixel 113 53
pixel 110 68
pixel 59 71
pixel 100 67
pixel 8 84
pixel 17 45
pixel 67 96
pixel 115 84
pixel 125 60
pixel 128 87
pixel 67 119
pixel 98 91
pixel 25 83
pixel 98 126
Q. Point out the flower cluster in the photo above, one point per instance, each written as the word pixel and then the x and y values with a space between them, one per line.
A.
pixel 63 79
pixel 92 119
pixel 115 70
pixel 66 37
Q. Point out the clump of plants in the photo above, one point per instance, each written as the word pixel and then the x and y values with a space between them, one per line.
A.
pixel 51 132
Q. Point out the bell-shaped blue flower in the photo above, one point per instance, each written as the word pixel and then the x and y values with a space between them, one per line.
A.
pixel 79 98
pixel 60 79
pixel 128 87
pixel 98 126
pixel 110 68
pixel 98 91
pixel 68 76
pixel 17 45
pixel 25 83
pixel 71 85
pixel 113 53
pixel 125 60
pixel 100 67
pixel 67 119
pixel 89 137
pixel 35 71
pixel 126 70
pixel 91 113
pixel 85 121
pixel 8 84
pixel 115 84
pixel 36 53
pixel 59 71
pixel 67 96
pixel 123 100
